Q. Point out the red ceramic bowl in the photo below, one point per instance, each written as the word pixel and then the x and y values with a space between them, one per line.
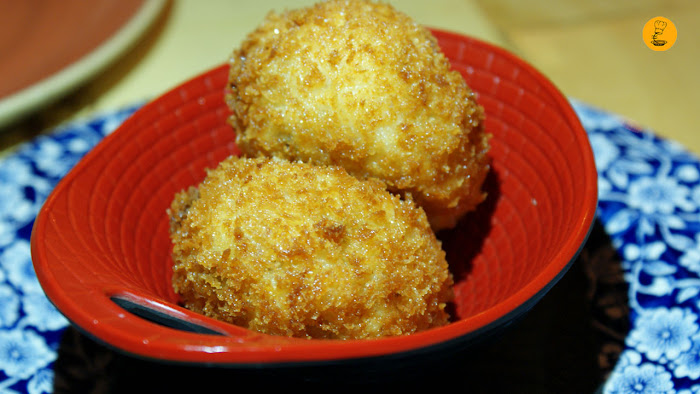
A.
pixel 101 249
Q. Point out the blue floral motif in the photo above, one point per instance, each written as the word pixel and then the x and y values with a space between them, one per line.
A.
pixel 690 259
pixel 30 325
pixel 41 314
pixel 41 382
pixel 649 203
pixel 644 379
pixel 22 353
pixel 17 263
pixel 9 306
pixel 663 333
pixel 691 390
pixel 687 365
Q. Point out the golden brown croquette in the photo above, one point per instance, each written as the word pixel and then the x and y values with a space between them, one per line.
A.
pixel 360 85
pixel 289 248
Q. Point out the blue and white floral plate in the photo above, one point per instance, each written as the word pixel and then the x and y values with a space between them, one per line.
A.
pixel 30 326
pixel 649 204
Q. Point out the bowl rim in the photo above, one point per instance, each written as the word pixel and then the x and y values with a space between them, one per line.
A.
pixel 277 352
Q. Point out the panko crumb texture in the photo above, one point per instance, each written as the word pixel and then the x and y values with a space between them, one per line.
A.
pixel 288 248
pixel 358 84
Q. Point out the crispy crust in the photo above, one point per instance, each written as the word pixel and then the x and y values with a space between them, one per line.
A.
pixel 306 251
pixel 360 85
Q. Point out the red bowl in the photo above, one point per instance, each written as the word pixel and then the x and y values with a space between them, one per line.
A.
pixel 101 248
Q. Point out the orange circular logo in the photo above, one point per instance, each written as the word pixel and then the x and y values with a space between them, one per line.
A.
pixel 659 34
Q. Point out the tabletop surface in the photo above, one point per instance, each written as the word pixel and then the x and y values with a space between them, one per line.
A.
pixel 592 51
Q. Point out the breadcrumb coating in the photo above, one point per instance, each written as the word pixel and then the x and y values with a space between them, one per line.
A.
pixel 360 85
pixel 289 248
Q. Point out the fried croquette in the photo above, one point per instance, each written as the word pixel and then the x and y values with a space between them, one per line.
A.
pixel 293 249
pixel 360 85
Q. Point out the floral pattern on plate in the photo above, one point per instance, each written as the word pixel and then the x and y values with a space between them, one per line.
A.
pixel 30 326
pixel 649 204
